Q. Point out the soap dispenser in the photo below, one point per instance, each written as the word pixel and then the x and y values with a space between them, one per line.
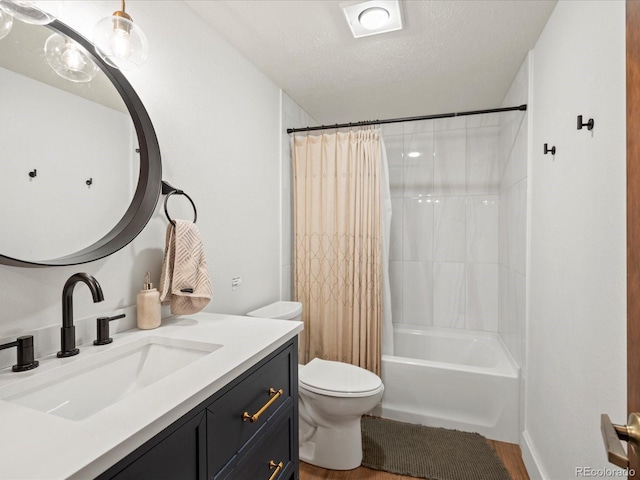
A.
pixel 148 301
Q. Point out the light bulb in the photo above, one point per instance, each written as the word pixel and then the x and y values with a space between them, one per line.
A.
pixel 413 154
pixel 68 59
pixel 373 18
pixel 6 22
pixel 120 42
pixel 72 58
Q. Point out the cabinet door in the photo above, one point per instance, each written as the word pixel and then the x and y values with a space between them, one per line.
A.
pixel 180 456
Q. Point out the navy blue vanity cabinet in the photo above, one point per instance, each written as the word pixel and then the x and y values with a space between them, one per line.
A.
pixel 174 456
pixel 247 430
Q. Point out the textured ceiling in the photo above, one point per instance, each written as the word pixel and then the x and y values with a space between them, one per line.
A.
pixel 452 55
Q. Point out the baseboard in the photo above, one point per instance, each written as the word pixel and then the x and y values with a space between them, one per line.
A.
pixel 531 458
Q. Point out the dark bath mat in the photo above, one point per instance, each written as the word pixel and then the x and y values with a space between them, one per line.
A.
pixel 428 452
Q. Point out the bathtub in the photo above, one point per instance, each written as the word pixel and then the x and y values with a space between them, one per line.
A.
pixel 452 379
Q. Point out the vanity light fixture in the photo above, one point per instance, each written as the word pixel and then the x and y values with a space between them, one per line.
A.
pixel 6 23
pixel 35 12
pixel 120 42
pixel 69 59
pixel 372 17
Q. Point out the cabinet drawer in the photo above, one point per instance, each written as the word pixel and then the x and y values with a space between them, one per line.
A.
pixel 228 432
pixel 272 450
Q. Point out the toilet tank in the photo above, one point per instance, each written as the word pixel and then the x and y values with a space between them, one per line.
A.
pixel 281 310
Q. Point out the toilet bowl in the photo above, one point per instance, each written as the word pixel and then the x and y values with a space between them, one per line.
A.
pixel 332 398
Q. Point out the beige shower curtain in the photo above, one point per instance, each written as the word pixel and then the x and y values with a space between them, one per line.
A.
pixel 338 256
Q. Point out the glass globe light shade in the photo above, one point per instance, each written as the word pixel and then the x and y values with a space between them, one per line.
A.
pixel 35 12
pixel 69 60
pixel 120 42
pixel 6 22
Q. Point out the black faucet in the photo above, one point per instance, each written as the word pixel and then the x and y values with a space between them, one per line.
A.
pixel 68 330
pixel 102 329
pixel 25 353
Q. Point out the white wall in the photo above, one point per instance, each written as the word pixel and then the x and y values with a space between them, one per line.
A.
pixel 576 340
pixel 217 119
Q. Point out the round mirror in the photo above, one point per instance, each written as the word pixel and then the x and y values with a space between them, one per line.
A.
pixel 80 167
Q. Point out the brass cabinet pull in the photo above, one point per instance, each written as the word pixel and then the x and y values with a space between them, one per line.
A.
pixel 612 434
pixel 278 467
pixel 254 418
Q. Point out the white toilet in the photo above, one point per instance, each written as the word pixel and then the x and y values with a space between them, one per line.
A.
pixel 333 396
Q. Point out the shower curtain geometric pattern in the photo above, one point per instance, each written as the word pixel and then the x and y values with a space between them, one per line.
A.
pixel 338 256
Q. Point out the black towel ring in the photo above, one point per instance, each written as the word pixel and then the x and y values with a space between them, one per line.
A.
pixel 179 192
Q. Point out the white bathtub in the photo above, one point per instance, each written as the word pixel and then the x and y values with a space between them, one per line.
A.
pixel 453 379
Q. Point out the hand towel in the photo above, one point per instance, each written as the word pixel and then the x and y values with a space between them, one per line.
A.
pixel 185 282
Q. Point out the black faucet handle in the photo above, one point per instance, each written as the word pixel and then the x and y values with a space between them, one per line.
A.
pixel 25 353
pixel 102 329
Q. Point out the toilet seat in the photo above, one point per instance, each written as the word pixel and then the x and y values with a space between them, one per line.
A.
pixel 338 379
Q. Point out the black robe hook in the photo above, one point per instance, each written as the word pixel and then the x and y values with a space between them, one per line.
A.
pixel 588 124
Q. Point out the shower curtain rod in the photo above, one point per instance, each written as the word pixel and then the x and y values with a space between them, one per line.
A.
pixel 406 119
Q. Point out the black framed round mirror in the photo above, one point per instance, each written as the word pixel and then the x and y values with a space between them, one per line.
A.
pixel 132 214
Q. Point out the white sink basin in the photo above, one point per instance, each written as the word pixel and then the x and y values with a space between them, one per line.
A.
pixel 85 386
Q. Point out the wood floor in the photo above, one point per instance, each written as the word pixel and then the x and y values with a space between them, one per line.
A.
pixel 510 455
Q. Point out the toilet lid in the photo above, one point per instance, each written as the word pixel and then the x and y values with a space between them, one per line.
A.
pixel 335 378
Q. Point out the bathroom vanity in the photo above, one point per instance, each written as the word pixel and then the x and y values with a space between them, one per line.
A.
pixel 229 411
pixel 215 441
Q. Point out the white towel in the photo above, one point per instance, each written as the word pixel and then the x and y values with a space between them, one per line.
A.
pixel 185 283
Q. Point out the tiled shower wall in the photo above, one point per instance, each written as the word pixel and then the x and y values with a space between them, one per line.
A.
pixel 514 149
pixel 444 177
pixel 458 233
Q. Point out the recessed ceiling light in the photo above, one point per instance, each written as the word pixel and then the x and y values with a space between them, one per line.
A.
pixel 413 154
pixel 372 17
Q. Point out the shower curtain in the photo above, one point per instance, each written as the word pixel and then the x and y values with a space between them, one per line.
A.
pixel 385 198
pixel 339 240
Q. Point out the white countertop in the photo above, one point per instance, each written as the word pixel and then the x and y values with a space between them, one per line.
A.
pixel 37 445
